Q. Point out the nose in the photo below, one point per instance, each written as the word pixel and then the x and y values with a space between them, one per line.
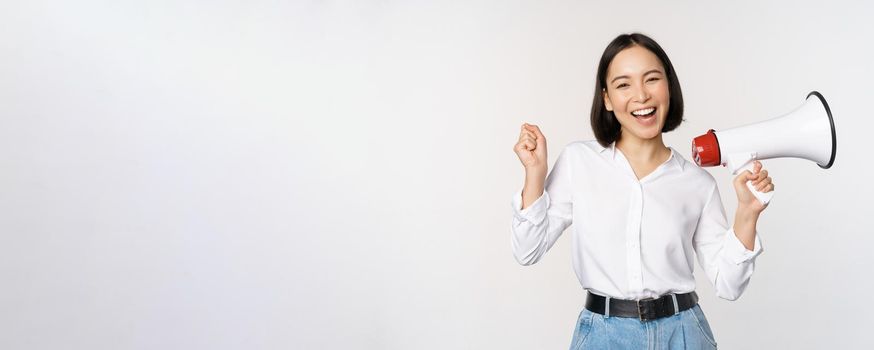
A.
pixel 641 95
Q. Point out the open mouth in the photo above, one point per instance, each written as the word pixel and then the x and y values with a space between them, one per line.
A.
pixel 644 113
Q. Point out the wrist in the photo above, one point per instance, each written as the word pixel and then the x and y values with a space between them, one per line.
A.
pixel 535 176
pixel 534 188
pixel 747 214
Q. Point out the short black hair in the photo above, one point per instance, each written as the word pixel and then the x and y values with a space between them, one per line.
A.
pixel 604 122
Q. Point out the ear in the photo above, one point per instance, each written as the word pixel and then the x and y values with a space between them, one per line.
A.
pixel 607 103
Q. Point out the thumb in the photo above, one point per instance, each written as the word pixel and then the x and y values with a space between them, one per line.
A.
pixel 743 177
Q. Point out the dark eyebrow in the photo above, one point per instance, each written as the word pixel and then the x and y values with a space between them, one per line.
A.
pixel 625 76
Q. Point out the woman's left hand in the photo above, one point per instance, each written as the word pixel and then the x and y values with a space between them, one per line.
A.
pixel 761 182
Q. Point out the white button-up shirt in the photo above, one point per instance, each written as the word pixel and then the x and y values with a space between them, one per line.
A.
pixel 633 239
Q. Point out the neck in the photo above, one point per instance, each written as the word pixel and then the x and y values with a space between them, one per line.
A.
pixel 646 150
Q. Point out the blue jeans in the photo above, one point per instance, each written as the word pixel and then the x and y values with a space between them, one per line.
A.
pixel 686 330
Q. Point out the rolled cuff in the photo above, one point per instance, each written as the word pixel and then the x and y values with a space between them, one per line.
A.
pixel 535 213
pixel 736 252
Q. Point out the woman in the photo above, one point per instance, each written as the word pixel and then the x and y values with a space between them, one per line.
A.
pixel 642 211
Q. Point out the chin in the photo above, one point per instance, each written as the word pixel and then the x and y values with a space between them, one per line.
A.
pixel 650 135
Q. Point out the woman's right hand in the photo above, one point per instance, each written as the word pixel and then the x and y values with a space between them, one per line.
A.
pixel 531 150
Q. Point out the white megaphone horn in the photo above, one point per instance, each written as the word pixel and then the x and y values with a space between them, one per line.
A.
pixel 807 132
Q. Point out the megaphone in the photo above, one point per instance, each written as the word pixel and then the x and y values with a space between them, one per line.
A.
pixel 808 132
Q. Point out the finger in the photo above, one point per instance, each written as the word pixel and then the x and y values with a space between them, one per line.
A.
pixel 527 138
pixel 762 184
pixel 528 145
pixel 529 134
pixel 536 130
pixel 757 166
pixel 768 188
pixel 761 176
pixel 525 145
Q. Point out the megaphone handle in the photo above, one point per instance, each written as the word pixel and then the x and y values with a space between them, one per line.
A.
pixel 763 197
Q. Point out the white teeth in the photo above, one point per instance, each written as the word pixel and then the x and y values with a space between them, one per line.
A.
pixel 643 111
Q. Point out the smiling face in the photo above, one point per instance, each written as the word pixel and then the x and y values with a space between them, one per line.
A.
pixel 637 93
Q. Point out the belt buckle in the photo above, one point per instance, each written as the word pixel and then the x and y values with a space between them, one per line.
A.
pixel 640 312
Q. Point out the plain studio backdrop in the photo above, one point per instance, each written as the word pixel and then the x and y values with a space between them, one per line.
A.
pixel 338 174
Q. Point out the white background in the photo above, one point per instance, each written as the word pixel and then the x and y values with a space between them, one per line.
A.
pixel 337 174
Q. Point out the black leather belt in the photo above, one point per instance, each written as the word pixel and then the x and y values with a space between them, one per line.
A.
pixel 644 309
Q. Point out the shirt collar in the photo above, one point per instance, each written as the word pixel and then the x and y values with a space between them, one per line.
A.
pixel 676 159
pixel 609 150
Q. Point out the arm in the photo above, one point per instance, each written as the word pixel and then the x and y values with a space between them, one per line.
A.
pixel 748 207
pixel 729 259
pixel 536 226
pixel 726 260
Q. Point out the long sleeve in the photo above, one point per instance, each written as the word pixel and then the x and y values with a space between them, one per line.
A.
pixel 725 260
pixel 535 229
